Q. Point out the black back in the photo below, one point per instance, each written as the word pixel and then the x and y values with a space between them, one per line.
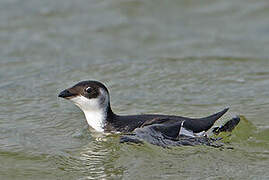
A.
pixel 129 123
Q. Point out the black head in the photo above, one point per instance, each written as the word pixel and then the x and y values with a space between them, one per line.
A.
pixel 92 98
pixel 87 89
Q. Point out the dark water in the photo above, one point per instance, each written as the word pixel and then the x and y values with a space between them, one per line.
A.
pixel 188 57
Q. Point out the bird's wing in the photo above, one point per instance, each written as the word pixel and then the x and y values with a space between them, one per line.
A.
pixel 164 132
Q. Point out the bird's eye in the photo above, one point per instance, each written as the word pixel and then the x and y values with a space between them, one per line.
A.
pixel 88 89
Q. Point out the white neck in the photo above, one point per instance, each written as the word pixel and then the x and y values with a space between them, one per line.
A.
pixel 94 111
pixel 96 119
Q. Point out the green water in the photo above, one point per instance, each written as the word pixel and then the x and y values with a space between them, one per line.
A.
pixel 189 58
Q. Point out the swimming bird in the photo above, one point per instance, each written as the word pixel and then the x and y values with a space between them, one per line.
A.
pixel 92 97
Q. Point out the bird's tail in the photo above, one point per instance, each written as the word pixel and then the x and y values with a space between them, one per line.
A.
pixel 203 124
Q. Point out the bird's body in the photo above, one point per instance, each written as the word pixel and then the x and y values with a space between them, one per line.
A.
pixel 92 97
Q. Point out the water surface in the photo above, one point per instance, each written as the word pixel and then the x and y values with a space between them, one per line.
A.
pixel 185 58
